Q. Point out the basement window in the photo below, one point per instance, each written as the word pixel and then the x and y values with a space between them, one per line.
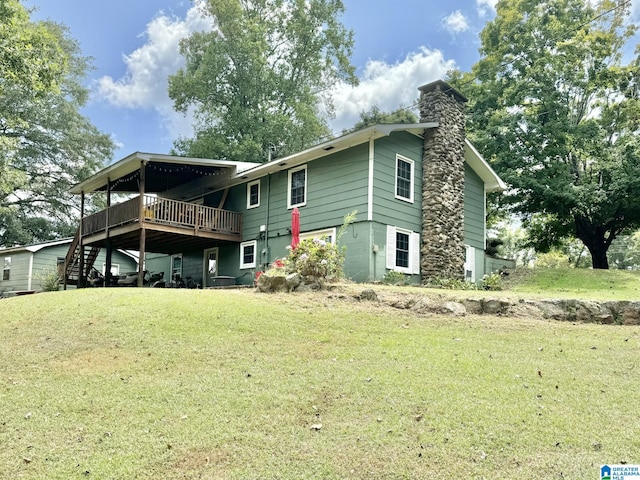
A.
pixel 248 254
pixel 403 250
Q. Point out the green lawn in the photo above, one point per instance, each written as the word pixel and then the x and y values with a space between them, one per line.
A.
pixel 186 384
pixel 576 283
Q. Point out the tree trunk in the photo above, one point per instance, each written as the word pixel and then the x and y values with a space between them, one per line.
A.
pixel 597 239
pixel 599 258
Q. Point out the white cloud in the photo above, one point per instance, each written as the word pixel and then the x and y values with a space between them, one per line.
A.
pixel 148 68
pixel 484 6
pixel 455 23
pixel 635 10
pixel 388 86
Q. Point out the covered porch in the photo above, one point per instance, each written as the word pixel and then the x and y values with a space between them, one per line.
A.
pixel 164 211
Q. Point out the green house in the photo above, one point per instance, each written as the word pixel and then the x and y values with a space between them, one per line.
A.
pixel 24 268
pixel 419 191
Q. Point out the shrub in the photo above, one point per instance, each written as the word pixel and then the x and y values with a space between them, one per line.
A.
pixel 450 284
pixel 393 277
pixel 316 258
pixel 491 282
pixel 49 280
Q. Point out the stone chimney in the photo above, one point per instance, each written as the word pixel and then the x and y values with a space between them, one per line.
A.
pixel 442 243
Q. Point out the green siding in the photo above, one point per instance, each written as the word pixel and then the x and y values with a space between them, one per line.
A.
pixel 336 185
pixel 45 261
pixel 18 276
pixel 473 210
pixel 387 209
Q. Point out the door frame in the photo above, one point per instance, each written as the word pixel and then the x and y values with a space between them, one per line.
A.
pixel 205 264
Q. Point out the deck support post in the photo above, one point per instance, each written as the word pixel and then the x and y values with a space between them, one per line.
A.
pixel 108 245
pixel 82 278
pixel 143 234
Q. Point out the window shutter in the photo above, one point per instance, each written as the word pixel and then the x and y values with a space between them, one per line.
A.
pixel 414 251
pixel 391 247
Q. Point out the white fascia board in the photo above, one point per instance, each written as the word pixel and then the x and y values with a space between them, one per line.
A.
pixel 479 165
pixel 131 163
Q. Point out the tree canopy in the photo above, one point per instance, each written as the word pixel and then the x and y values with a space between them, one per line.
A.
pixel 260 78
pixel 555 108
pixel 46 145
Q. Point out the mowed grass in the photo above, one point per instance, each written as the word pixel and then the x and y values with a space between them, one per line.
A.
pixel 186 384
pixel 575 283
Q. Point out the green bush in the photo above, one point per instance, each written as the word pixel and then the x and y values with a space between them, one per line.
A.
pixel 393 277
pixel 49 280
pixel 491 282
pixel 316 258
pixel 450 284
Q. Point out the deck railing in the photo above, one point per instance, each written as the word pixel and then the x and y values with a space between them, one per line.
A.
pixel 165 212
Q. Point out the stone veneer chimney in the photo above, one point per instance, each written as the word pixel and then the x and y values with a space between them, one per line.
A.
pixel 442 243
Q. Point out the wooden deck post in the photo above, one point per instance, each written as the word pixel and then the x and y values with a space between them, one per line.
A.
pixel 82 278
pixel 108 244
pixel 143 234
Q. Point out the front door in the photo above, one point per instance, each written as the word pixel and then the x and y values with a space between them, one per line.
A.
pixel 176 268
pixel 210 266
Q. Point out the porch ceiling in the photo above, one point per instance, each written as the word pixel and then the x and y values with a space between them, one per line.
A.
pixel 160 241
pixel 163 172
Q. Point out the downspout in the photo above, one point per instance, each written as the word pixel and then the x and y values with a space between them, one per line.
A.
pixel 370 181
pixel 266 223
pixel 372 249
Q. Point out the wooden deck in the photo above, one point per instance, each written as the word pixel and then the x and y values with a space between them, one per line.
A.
pixel 170 225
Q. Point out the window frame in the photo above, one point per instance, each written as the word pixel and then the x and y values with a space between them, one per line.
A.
pixel 243 245
pixel 6 268
pixel 413 255
pixel 407 251
pixel 249 185
pixel 291 172
pixel 319 234
pixel 411 179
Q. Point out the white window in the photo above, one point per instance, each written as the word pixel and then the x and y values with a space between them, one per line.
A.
pixel 403 250
pixel 115 269
pixel 328 234
pixel 248 254
pixel 404 178
pixel 6 272
pixel 297 187
pixel 253 194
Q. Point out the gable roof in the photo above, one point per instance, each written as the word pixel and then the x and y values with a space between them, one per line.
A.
pixel 232 173
pixel 473 158
pixel 36 247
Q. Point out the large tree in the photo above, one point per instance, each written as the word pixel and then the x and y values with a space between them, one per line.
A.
pixel 46 145
pixel 555 108
pixel 260 78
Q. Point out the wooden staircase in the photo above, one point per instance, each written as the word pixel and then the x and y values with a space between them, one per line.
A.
pixel 73 262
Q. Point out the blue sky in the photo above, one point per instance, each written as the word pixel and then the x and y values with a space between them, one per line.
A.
pixel 399 45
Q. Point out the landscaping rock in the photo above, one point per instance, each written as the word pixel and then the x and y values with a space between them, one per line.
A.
pixel 293 281
pixel 494 306
pixel 454 308
pixel 369 295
